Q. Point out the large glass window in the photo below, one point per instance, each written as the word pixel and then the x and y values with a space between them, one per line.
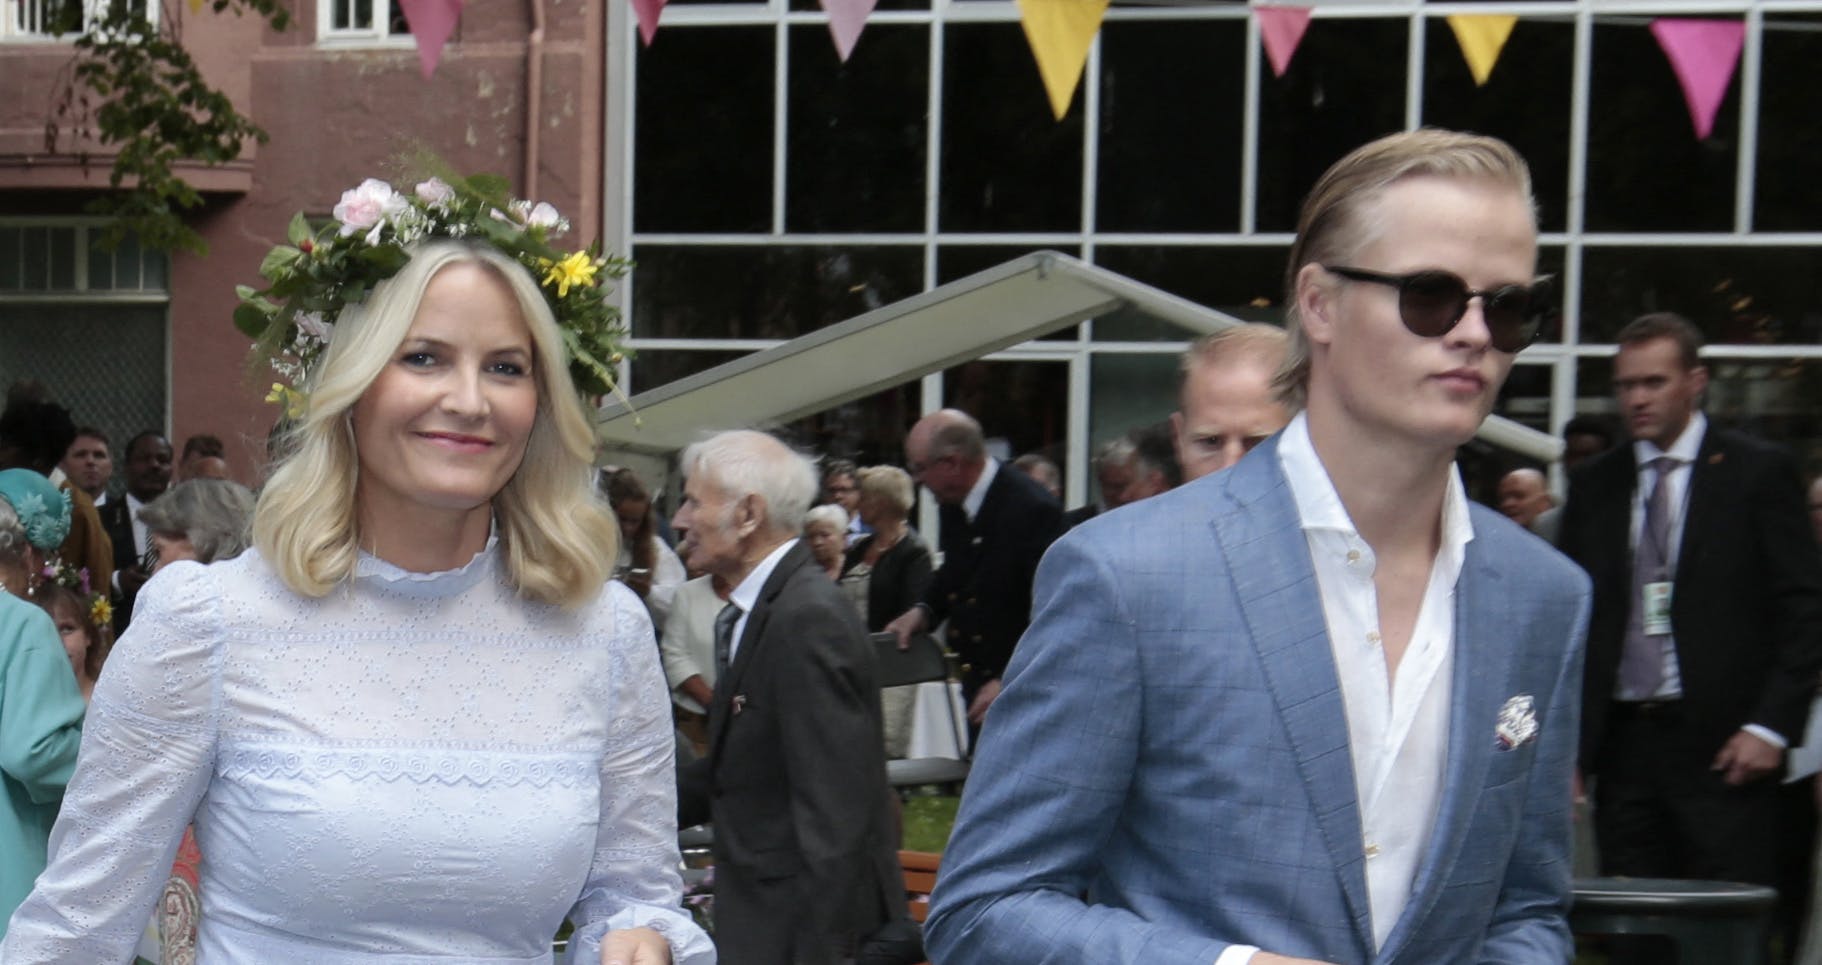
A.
pixel 86 325
pixel 776 190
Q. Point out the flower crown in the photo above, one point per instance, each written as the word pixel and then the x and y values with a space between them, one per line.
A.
pixel 95 602
pixel 320 273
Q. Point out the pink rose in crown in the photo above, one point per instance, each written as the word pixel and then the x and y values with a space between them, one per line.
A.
pixel 367 207
pixel 435 191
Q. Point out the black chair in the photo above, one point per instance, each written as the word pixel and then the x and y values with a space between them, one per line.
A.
pixel 1709 921
pixel 922 662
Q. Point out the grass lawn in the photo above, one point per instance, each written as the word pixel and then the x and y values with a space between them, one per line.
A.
pixel 927 822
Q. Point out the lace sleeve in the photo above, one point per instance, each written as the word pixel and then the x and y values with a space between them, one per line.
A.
pixel 633 881
pixel 147 751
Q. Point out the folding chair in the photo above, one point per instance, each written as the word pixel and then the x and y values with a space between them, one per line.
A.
pixel 922 662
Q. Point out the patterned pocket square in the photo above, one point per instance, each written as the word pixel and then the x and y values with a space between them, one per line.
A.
pixel 1517 724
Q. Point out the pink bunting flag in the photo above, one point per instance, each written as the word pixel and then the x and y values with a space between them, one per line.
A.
pixel 1282 30
pixel 1704 54
pixel 647 11
pixel 846 20
pixel 432 22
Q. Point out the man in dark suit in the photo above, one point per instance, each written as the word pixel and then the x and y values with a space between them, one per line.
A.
pixel 795 777
pixel 1706 633
pixel 996 525
pixel 148 475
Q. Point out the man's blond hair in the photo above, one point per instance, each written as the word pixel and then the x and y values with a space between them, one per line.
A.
pixel 1335 221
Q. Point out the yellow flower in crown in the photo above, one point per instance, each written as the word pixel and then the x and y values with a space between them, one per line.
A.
pixel 101 612
pixel 296 403
pixel 578 270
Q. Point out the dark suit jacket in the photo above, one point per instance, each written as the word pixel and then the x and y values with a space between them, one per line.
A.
pixel 899 578
pixel 1746 613
pixel 119 527
pixel 984 586
pixel 795 778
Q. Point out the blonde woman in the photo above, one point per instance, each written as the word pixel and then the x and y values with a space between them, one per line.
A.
pixel 415 721
pixel 886 573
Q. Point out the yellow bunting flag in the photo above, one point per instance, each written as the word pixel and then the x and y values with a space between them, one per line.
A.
pixel 1482 36
pixel 1060 32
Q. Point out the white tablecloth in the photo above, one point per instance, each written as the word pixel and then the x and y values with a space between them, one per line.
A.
pixel 932 733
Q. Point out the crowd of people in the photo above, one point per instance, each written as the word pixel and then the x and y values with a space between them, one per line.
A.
pixel 1281 693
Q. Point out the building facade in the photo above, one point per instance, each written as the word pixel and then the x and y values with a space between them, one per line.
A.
pixel 932 153
pixel 137 340
pixel 766 189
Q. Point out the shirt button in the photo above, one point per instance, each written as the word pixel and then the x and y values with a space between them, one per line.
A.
pixel 1373 637
pixel 1372 851
pixel 1353 556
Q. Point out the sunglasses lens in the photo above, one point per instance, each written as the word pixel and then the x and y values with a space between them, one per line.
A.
pixel 1431 302
pixel 1513 316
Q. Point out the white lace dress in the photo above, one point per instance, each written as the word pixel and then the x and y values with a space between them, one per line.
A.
pixel 417 768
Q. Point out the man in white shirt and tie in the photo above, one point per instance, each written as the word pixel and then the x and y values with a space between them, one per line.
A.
pixel 1706 635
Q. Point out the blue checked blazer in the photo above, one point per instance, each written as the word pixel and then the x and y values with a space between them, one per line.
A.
pixel 1167 770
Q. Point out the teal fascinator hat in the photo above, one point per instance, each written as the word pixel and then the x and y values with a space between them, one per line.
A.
pixel 42 508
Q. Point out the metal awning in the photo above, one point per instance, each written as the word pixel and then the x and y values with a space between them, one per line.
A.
pixel 1024 299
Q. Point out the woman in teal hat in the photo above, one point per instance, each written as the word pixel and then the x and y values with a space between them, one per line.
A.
pixel 40 706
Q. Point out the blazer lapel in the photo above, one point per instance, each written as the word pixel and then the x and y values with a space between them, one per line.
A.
pixel 1480 685
pixel 728 687
pixel 1268 559
pixel 1708 485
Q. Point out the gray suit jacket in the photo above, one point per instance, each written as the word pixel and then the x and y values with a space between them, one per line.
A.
pixel 795 779
pixel 1167 770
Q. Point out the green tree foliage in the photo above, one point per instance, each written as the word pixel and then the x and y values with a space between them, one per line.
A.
pixel 134 86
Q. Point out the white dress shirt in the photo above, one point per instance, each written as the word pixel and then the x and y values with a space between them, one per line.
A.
pixel 971 504
pixel 746 595
pixel 687 646
pixel 1398 727
pixel 1685 449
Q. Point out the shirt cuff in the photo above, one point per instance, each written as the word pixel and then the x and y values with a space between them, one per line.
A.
pixel 1767 735
pixel 1237 955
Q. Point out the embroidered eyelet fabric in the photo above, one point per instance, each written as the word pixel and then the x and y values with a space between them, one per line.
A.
pixel 414 768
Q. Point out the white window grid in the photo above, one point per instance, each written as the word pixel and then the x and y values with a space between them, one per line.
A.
pixel 30 20
pixel 1573 241
pixel 374 29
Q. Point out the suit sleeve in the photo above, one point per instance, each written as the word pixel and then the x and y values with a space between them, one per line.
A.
pixel 1530 921
pixel 1779 517
pixel 834 756
pixel 1047 788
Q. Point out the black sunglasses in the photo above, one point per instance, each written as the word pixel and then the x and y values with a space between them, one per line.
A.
pixel 1431 302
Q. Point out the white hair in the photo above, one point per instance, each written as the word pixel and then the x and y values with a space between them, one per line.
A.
pixel 826 514
pixel 744 463
pixel 12 535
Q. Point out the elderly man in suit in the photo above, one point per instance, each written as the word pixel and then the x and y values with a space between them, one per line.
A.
pixel 1707 627
pixel 996 525
pixel 1320 706
pixel 795 777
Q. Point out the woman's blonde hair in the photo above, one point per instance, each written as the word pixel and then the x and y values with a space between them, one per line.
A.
pixel 890 484
pixel 557 538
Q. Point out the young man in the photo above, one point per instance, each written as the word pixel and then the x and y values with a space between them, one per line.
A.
pixel 87 464
pixel 1322 707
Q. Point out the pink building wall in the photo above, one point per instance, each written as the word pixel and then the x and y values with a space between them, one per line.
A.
pixel 335 115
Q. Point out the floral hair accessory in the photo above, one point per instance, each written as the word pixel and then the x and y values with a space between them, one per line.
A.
pixel 42 508
pixel 95 603
pixel 320 272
